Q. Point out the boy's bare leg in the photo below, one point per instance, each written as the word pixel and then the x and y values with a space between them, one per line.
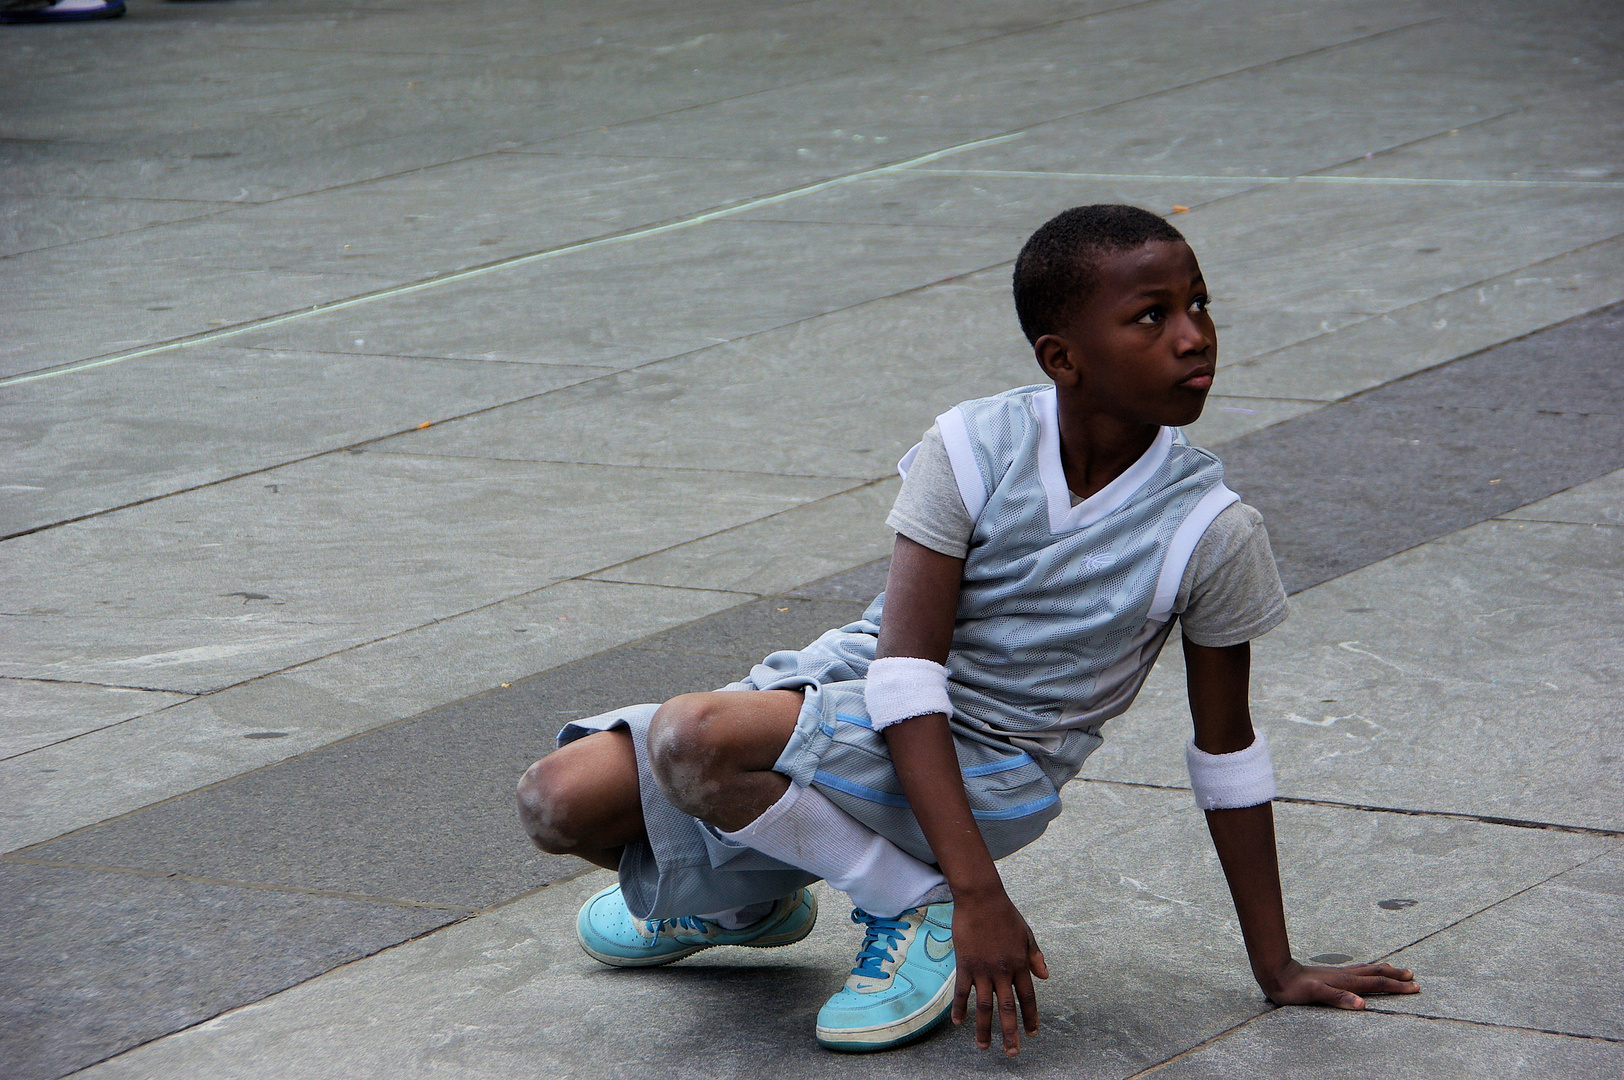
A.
pixel 712 755
pixel 582 799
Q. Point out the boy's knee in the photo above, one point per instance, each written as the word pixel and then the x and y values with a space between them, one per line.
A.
pixel 688 753
pixel 552 797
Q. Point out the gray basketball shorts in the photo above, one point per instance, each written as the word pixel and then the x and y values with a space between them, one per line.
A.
pixel 688 868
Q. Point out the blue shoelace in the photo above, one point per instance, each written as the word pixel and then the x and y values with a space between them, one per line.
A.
pixel 686 922
pixel 881 938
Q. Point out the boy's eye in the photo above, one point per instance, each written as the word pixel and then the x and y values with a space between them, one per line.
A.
pixel 1154 315
pixel 1200 303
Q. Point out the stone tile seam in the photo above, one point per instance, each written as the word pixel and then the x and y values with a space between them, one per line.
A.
pixel 535 365
pixel 83 682
pixel 508 262
pixel 1492 1024
pixel 859 481
pixel 1302 178
pixel 1547 521
pixel 1202 1045
pixel 1371 808
pixel 1260 358
pixel 260 886
pixel 187 341
pixel 1493 904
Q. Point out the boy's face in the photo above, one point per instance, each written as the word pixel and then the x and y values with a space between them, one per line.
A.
pixel 1142 348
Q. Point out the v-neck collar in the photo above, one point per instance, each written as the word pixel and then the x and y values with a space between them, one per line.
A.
pixel 1064 517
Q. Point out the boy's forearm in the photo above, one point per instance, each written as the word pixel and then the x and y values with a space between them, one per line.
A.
pixel 928 767
pixel 1245 842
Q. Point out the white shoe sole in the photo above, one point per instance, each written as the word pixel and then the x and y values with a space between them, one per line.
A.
pixel 770 941
pixel 895 1033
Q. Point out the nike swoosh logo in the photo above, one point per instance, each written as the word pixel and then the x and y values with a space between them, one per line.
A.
pixel 938 949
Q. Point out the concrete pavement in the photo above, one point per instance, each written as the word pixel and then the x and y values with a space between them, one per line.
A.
pixel 385 384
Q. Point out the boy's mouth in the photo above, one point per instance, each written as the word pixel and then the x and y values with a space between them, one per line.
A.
pixel 1200 380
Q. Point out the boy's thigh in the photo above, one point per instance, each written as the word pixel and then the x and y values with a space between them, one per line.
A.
pixel 834 749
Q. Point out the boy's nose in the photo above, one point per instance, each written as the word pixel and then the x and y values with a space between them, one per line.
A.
pixel 1192 335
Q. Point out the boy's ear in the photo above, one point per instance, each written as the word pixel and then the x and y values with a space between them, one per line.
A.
pixel 1058 359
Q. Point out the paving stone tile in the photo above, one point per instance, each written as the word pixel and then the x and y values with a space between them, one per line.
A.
pixel 1546 958
pixel 1554 139
pixel 640 300
pixel 57 789
pixel 232 584
pixel 158 424
pixel 865 383
pixel 35 714
pixel 135 304
pixel 776 553
pixel 750 632
pixel 28 222
pixel 95 962
pixel 1600 502
pixel 861 584
pixel 1344 1046
pixel 1361 355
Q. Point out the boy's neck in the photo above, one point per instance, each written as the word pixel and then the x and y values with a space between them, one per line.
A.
pixel 1096 448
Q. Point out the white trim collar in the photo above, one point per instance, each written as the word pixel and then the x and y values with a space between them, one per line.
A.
pixel 1064 517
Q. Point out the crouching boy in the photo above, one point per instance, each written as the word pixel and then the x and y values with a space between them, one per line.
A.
pixel 1047 538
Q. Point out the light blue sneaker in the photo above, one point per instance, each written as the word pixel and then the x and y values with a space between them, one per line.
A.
pixel 610 935
pixel 902 985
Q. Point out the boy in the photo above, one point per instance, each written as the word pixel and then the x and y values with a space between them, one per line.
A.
pixel 1046 538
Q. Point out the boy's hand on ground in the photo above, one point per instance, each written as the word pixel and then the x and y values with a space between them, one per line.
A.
pixel 997 957
pixel 1338 987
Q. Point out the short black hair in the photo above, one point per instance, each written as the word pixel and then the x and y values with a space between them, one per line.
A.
pixel 1059 266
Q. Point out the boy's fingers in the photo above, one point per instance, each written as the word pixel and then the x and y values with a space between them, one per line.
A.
pixel 1028 997
pixel 983 1013
pixel 961 996
pixel 1035 961
pixel 1379 984
pixel 1007 1018
pixel 1337 997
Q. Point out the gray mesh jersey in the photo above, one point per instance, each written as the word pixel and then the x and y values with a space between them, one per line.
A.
pixel 1063 608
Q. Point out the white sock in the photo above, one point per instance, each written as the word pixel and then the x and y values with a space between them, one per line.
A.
pixel 739 917
pixel 806 830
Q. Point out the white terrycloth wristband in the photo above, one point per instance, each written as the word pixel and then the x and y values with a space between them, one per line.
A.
pixel 902 687
pixel 1231 781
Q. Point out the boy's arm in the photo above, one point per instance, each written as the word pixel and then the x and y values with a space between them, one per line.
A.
pixel 996 952
pixel 1218 683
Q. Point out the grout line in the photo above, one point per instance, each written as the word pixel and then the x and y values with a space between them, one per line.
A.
pixel 1202 1045
pixel 1492 1024
pixel 1301 178
pixel 509 263
pixel 1369 808
pixel 256 885
pixel 1489 906
pixel 1548 521
pixel 86 682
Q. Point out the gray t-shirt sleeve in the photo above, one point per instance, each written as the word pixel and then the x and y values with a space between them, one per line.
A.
pixel 929 509
pixel 1231 590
